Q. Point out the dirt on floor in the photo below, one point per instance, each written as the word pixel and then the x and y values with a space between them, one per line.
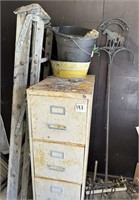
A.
pixel 111 189
pixel 131 191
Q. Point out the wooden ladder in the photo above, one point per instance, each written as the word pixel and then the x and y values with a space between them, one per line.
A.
pixel 33 23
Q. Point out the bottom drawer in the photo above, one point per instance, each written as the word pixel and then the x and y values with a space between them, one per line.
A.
pixel 56 190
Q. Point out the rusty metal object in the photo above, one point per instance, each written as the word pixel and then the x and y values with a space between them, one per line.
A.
pixel 115 43
pixel 59 146
pixel 116 188
pixel 95 170
pixel 114 39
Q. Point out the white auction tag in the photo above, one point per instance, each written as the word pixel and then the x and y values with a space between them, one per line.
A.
pixel 80 108
pixel 137 128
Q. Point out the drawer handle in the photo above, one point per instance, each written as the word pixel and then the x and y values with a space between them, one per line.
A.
pixel 57 127
pixel 57 110
pixel 57 154
pixel 55 189
pixel 56 168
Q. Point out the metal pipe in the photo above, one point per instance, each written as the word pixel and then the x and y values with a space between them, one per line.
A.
pixel 95 170
pixel 107 122
pixel 114 176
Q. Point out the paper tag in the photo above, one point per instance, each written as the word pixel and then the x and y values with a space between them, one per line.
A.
pixel 137 128
pixel 80 108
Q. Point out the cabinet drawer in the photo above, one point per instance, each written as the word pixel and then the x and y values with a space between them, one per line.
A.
pixel 56 190
pixel 58 161
pixel 58 119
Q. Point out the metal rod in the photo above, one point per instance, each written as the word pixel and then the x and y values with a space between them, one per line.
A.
pixel 95 170
pixel 107 123
pixel 114 176
pixel 111 49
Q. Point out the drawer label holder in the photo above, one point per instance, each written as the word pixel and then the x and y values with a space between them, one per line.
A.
pixel 59 110
pixel 57 154
pixel 55 189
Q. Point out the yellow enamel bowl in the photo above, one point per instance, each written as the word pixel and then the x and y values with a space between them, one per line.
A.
pixel 64 69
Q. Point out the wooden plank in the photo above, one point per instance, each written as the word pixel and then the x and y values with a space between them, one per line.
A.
pixel 25 15
pixel 3 171
pixel 114 196
pixel 48 51
pixel 4 145
pixel 33 8
pixel 19 89
pixel 136 175
pixel 109 190
pixel 21 160
pixel 48 42
pixel 26 166
pixel 38 32
pixel 37 42
pixel 34 77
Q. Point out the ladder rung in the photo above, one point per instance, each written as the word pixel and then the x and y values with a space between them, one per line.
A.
pixel 42 60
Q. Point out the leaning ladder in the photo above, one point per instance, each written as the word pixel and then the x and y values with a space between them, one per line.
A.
pixel 32 22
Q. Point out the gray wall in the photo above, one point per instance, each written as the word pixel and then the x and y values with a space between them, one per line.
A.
pixel 125 77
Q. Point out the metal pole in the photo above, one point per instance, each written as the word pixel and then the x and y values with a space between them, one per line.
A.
pixel 107 122
pixel 95 170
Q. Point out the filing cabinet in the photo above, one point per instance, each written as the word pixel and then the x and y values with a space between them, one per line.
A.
pixel 59 112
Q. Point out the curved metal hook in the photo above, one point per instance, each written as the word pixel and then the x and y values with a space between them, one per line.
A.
pixel 112 56
pixel 108 52
pixel 123 49
pixel 117 21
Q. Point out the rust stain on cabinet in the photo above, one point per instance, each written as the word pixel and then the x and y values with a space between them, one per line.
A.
pixel 40 159
pixel 65 85
pixel 60 117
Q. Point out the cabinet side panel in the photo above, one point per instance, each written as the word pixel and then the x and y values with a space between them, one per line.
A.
pixel 88 122
pixel 30 144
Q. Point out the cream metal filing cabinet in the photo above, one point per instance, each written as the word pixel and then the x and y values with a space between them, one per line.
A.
pixel 59 113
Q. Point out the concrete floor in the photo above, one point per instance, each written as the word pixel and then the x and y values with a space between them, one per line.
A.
pixel 115 196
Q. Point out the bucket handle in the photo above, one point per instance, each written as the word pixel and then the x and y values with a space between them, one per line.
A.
pixel 81 48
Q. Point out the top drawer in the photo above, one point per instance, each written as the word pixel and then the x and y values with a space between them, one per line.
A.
pixel 58 119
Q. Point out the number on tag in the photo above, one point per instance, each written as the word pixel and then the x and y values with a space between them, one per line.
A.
pixel 80 108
